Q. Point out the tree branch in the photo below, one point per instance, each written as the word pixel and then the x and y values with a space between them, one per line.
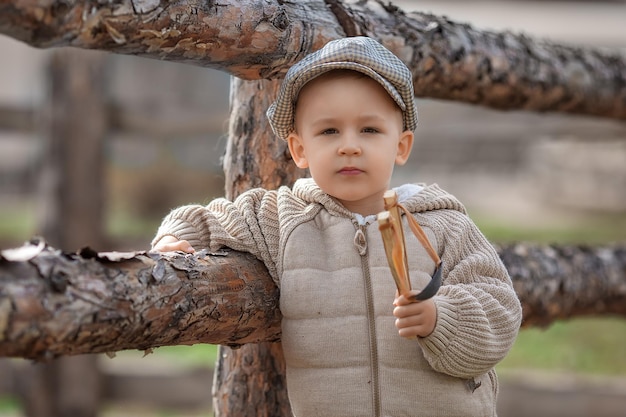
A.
pixel 251 40
pixel 254 40
pixel 562 282
pixel 54 303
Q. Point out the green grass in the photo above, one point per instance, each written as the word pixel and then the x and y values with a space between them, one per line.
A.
pixel 585 345
pixel 8 405
pixel 595 230
pixel 121 224
pixel 200 354
pixel 17 223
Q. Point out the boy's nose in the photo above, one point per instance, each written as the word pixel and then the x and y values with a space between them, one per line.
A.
pixel 349 145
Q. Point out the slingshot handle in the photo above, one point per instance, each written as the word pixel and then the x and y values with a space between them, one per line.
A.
pixel 394 250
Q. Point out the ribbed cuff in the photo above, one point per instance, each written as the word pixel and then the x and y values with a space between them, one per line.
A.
pixel 464 342
pixel 180 229
pixel 445 330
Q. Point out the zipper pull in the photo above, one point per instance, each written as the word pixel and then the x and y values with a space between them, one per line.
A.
pixel 360 241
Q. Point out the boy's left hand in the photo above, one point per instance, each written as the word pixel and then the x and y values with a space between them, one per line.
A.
pixel 414 319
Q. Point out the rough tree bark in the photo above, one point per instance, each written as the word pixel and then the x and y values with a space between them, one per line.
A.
pixel 254 40
pixel 55 303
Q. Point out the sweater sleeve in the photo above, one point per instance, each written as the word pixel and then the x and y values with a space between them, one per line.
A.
pixel 249 224
pixel 478 311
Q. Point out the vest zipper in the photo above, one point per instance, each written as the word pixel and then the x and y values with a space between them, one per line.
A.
pixel 371 319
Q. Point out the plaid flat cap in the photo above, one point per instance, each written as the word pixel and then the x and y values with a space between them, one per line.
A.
pixel 359 53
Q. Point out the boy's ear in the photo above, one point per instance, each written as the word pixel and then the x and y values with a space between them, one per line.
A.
pixel 405 144
pixel 296 149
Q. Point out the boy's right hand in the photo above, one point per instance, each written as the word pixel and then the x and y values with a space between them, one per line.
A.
pixel 171 244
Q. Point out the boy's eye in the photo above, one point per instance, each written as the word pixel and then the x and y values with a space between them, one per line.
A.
pixel 370 130
pixel 330 131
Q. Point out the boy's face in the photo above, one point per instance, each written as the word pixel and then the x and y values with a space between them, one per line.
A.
pixel 349 134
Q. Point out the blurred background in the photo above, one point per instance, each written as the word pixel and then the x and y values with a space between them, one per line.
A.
pixel 156 135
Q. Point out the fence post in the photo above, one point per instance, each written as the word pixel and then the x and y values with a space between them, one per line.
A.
pixel 74 123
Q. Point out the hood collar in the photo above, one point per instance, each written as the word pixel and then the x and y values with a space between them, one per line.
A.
pixel 416 198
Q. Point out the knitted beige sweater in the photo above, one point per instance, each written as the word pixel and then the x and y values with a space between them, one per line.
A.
pixel 344 356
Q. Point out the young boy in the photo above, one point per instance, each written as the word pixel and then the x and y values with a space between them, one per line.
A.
pixel 352 346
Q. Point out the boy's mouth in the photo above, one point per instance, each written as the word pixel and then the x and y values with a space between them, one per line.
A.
pixel 350 171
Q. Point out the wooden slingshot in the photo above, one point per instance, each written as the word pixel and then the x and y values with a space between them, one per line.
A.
pixel 390 226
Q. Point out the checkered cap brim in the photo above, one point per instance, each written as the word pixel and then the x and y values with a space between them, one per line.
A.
pixel 355 53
